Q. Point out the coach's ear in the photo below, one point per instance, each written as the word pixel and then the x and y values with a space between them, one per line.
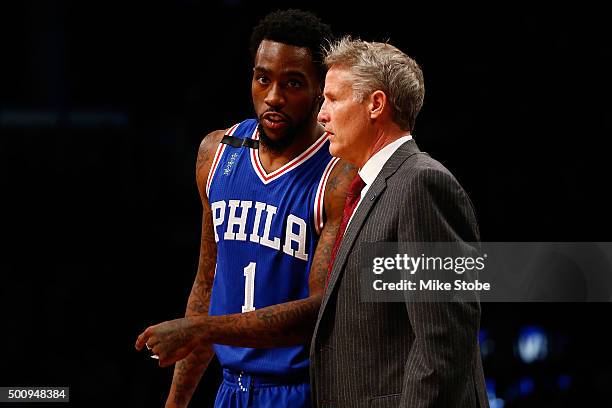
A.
pixel 376 104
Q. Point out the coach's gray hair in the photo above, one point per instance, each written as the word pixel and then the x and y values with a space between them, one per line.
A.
pixel 380 66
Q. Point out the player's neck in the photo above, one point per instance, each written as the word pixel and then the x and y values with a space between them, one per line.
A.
pixel 272 160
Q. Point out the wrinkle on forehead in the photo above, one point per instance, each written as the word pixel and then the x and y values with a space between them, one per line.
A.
pixel 339 81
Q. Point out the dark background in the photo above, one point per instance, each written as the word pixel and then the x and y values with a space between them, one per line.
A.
pixel 103 105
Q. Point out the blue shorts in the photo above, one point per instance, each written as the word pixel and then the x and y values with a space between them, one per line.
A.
pixel 246 391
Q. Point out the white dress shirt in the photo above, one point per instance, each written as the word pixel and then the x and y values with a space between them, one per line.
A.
pixel 374 165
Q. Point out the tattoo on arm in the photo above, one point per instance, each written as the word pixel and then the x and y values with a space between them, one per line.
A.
pixel 281 319
pixel 292 322
pixel 188 372
pixel 320 263
pixel 344 175
pixel 335 195
pixel 279 325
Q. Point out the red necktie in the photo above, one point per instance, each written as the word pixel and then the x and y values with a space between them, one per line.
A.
pixel 352 199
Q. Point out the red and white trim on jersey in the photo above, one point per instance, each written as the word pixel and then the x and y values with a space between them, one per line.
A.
pixel 305 155
pixel 319 211
pixel 217 158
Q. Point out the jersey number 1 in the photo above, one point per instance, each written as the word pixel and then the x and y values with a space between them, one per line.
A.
pixel 249 287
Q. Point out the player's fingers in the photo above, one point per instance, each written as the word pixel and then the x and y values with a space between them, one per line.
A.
pixel 163 362
pixel 166 359
pixel 142 339
pixel 160 355
pixel 153 344
pixel 139 342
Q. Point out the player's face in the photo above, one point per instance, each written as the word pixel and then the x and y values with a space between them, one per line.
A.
pixel 285 89
pixel 346 119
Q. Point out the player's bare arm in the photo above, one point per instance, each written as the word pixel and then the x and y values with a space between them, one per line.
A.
pixel 189 370
pixel 273 326
pixel 335 195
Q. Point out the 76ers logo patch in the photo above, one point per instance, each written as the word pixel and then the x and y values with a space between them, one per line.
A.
pixel 230 163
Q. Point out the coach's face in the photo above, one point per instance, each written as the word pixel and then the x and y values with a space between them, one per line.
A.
pixel 285 89
pixel 346 118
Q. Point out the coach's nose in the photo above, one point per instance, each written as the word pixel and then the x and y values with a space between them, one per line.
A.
pixel 323 116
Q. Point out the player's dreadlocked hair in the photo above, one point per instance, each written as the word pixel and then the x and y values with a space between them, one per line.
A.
pixel 294 27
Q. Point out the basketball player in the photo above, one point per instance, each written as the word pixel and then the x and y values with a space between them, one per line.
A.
pixel 273 199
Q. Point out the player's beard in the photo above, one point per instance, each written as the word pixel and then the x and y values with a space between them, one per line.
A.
pixel 279 146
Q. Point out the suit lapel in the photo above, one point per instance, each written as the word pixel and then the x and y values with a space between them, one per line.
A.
pixel 361 213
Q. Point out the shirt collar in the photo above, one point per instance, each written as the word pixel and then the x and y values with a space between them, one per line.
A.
pixel 374 165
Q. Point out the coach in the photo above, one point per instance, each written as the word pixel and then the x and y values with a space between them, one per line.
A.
pixel 368 354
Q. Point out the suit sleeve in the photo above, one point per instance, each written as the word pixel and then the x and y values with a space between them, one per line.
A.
pixel 438 371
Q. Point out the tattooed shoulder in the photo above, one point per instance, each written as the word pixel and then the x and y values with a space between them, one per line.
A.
pixel 206 152
pixel 339 180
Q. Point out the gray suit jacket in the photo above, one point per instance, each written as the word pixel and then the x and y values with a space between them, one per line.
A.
pixel 399 354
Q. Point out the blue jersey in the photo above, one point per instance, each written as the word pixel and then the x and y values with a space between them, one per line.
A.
pixel 266 227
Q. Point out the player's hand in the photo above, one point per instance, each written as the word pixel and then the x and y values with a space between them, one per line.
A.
pixel 170 341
